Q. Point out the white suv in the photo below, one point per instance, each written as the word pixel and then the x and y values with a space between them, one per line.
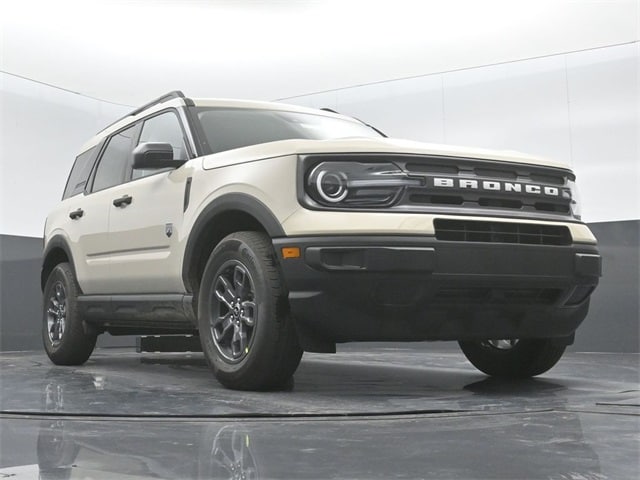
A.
pixel 270 229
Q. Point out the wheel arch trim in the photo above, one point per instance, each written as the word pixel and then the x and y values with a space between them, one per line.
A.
pixel 57 242
pixel 227 203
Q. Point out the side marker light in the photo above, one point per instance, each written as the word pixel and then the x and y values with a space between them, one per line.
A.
pixel 290 252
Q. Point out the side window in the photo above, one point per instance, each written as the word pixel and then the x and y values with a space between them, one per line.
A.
pixel 113 164
pixel 164 128
pixel 79 173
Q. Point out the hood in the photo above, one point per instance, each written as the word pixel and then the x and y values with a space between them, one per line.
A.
pixel 366 145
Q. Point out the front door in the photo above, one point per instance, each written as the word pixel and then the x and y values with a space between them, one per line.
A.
pixel 145 223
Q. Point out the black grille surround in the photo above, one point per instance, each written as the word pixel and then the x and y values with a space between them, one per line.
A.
pixel 501 232
pixel 461 185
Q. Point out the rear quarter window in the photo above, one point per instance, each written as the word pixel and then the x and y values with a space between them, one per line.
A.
pixel 80 173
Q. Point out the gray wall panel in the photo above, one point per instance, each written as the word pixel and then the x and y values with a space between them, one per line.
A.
pixel 614 317
pixel 20 297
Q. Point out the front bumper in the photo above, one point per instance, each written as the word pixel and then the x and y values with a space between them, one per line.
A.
pixel 410 288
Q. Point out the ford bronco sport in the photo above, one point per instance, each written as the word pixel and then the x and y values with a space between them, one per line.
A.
pixel 271 229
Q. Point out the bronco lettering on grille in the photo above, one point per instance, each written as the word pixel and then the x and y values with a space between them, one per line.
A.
pixel 500 186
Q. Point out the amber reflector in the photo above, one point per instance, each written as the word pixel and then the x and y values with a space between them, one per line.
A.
pixel 290 252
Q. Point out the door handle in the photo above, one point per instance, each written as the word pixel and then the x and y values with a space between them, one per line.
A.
pixel 122 201
pixel 76 214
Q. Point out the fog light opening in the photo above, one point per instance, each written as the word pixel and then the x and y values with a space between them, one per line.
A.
pixel 580 294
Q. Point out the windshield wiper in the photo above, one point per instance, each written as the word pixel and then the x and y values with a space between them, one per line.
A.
pixel 355 118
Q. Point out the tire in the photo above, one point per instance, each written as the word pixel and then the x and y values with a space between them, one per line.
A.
pixel 63 334
pixel 513 358
pixel 246 331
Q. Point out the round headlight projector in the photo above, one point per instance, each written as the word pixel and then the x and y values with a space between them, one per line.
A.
pixel 332 186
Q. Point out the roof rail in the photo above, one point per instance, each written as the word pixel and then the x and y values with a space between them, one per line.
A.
pixel 164 98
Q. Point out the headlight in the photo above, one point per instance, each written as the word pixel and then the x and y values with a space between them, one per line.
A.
pixel 353 184
pixel 332 187
pixel 575 204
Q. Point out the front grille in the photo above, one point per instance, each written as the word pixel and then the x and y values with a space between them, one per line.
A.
pixel 499 296
pixel 500 232
pixel 489 185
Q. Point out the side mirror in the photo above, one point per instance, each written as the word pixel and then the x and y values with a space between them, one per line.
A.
pixel 155 155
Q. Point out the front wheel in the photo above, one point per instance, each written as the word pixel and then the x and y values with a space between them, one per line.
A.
pixel 513 358
pixel 247 333
pixel 63 333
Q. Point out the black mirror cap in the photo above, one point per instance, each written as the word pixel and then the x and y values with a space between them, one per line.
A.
pixel 155 155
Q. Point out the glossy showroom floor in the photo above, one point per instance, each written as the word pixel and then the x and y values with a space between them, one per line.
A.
pixel 394 411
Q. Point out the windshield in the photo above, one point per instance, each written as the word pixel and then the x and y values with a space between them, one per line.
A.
pixel 228 128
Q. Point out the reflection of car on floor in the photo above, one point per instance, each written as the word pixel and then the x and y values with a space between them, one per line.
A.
pixel 270 229
pixel 65 452
pixel 411 446
pixel 70 449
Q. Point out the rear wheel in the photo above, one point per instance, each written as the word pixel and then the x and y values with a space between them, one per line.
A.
pixel 247 334
pixel 513 358
pixel 63 334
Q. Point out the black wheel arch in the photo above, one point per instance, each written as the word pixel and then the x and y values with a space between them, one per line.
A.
pixel 227 214
pixel 57 251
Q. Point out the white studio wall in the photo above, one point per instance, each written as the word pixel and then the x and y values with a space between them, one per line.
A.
pixel 578 108
pixel 41 131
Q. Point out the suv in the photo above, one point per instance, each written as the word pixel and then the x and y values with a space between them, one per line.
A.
pixel 271 229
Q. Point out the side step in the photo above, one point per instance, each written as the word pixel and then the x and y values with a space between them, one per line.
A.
pixel 168 343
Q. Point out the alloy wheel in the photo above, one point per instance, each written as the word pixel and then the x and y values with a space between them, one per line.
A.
pixel 233 318
pixel 502 344
pixel 57 313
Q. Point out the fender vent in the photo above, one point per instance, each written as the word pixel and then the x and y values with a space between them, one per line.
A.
pixel 501 232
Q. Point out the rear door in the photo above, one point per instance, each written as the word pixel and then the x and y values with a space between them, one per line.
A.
pixel 83 222
pixel 92 242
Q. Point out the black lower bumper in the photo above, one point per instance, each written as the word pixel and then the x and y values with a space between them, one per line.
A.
pixel 418 288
